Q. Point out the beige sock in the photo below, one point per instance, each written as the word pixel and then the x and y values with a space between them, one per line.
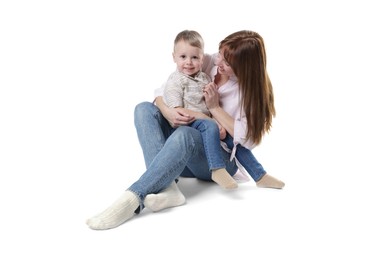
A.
pixel 222 177
pixel 116 214
pixel 167 198
pixel 268 181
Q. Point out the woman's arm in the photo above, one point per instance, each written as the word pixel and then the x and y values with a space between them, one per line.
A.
pixel 211 96
pixel 224 119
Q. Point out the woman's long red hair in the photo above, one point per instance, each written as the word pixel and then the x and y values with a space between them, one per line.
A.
pixel 245 52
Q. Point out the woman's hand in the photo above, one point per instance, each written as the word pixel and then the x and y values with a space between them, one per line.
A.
pixel 178 117
pixel 222 132
pixel 211 95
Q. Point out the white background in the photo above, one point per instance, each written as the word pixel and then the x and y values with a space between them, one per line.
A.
pixel 71 73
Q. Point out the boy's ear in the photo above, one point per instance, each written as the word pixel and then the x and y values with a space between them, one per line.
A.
pixel 173 57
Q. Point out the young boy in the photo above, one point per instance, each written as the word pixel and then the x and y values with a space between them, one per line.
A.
pixel 184 88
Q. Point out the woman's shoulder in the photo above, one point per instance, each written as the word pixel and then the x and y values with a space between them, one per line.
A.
pixel 208 62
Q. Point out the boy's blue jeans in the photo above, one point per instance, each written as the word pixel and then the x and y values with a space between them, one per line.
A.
pixel 209 130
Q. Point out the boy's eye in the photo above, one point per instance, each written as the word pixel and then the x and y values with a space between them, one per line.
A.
pixel 183 56
pixel 195 57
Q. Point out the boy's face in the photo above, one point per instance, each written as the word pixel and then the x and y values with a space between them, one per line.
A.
pixel 188 59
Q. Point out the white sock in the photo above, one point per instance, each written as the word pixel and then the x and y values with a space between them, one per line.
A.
pixel 167 198
pixel 116 214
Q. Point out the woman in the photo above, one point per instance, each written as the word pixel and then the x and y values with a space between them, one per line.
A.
pixel 240 99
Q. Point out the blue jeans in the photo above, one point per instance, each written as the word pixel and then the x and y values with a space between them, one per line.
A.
pixel 169 153
pixel 209 130
pixel 246 159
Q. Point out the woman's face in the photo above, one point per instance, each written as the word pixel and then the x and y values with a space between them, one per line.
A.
pixel 223 67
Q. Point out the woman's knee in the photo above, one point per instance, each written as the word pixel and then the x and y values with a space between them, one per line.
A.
pixel 143 108
pixel 144 111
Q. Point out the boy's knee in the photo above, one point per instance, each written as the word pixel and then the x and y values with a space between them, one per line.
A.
pixel 187 134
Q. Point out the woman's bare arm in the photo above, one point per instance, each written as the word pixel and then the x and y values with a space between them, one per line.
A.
pixel 211 96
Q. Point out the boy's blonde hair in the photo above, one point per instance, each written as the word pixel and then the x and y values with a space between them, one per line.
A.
pixel 191 37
